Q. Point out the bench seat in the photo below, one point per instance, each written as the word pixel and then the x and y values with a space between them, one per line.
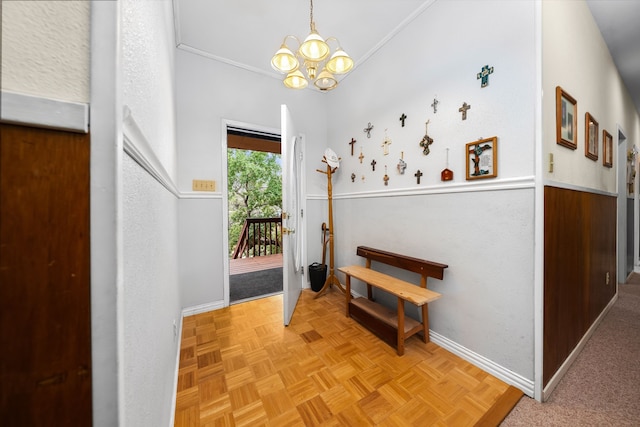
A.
pixel 391 326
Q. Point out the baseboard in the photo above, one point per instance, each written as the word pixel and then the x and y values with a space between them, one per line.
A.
pixel 485 364
pixel 553 382
pixel 498 371
pixel 202 308
pixel 174 395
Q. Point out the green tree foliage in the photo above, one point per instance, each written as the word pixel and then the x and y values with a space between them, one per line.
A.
pixel 254 183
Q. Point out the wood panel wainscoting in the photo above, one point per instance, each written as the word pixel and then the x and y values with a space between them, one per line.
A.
pixel 240 366
pixel 45 328
pixel 579 268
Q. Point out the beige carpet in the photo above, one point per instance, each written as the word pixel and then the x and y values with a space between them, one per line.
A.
pixel 602 387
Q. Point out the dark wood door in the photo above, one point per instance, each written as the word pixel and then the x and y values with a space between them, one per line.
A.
pixel 45 330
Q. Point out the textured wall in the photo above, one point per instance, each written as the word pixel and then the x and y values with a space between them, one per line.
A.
pixel 150 218
pixel 45 49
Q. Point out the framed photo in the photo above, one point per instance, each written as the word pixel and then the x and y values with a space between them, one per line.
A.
pixel 590 137
pixel 607 149
pixel 482 158
pixel 566 119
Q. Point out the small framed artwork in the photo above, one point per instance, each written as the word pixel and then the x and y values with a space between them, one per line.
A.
pixel 590 137
pixel 566 119
pixel 607 149
pixel 482 158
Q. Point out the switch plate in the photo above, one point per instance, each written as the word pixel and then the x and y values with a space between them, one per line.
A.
pixel 203 185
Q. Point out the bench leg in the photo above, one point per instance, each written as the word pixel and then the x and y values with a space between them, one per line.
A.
pixel 400 327
pixel 425 323
pixel 347 294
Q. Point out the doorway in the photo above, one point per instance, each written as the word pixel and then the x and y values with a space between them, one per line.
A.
pixel 254 212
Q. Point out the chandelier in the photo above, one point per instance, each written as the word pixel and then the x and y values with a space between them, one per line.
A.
pixel 311 55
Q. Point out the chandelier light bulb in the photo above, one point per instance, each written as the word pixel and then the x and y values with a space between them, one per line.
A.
pixel 295 80
pixel 284 60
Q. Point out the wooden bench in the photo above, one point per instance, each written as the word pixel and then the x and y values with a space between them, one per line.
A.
pixel 392 327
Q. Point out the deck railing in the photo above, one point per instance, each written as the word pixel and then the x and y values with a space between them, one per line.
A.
pixel 258 237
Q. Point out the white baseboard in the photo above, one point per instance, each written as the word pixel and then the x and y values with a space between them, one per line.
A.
pixel 174 396
pixel 202 308
pixel 553 382
pixel 480 361
pixel 483 363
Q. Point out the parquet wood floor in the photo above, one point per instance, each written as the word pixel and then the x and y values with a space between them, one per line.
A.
pixel 239 366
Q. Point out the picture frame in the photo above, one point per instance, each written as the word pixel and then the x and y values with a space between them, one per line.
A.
pixel 591 136
pixel 482 159
pixel 607 149
pixel 566 119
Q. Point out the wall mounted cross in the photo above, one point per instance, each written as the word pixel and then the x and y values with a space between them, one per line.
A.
pixel 403 117
pixel 361 156
pixel 418 175
pixel 353 141
pixel 435 105
pixel 353 177
pixel 373 165
pixel 463 110
pixel 386 177
pixel 484 75
pixel 386 143
pixel 368 130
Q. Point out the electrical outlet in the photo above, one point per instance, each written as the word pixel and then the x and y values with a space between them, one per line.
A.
pixel 550 162
pixel 203 185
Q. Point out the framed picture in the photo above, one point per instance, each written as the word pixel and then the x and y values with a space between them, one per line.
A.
pixel 482 158
pixel 590 137
pixel 607 149
pixel 566 119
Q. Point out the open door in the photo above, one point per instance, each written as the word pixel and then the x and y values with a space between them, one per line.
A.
pixel 292 272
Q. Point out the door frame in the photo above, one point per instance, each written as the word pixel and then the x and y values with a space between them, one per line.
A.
pixel 226 124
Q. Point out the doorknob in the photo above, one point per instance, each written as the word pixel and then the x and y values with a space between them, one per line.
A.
pixel 286 230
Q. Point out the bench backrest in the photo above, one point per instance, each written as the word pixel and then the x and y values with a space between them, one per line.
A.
pixel 423 267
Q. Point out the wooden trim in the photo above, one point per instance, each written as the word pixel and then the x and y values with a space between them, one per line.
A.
pixel 40 112
pixel 420 266
pixel 501 408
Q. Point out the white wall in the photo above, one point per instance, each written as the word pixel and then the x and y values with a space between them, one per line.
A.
pixel 483 230
pixel 45 49
pixel 209 92
pixel 151 296
pixel 572 43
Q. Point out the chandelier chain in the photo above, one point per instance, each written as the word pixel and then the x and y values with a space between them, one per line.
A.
pixel 311 17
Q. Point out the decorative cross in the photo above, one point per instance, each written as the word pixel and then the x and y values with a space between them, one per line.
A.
pixel 418 175
pixel 361 156
pixel 353 177
pixel 373 165
pixel 386 177
pixel 363 178
pixel 463 110
pixel 368 130
pixel 426 139
pixel 402 165
pixel 353 141
pixel 484 75
pixel 435 105
pixel 403 117
pixel 476 151
pixel 386 143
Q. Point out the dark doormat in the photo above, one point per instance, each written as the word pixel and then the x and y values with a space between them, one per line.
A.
pixel 251 285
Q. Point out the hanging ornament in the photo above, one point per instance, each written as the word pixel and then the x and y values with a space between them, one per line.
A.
pixel 426 139
pixel 446 174
pixel 402 165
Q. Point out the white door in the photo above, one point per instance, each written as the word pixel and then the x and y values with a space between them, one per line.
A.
pixel 292 276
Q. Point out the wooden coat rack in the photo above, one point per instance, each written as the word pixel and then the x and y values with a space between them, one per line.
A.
pixel 332 279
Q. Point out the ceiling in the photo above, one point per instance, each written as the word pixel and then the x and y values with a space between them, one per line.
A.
pixel 252 30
